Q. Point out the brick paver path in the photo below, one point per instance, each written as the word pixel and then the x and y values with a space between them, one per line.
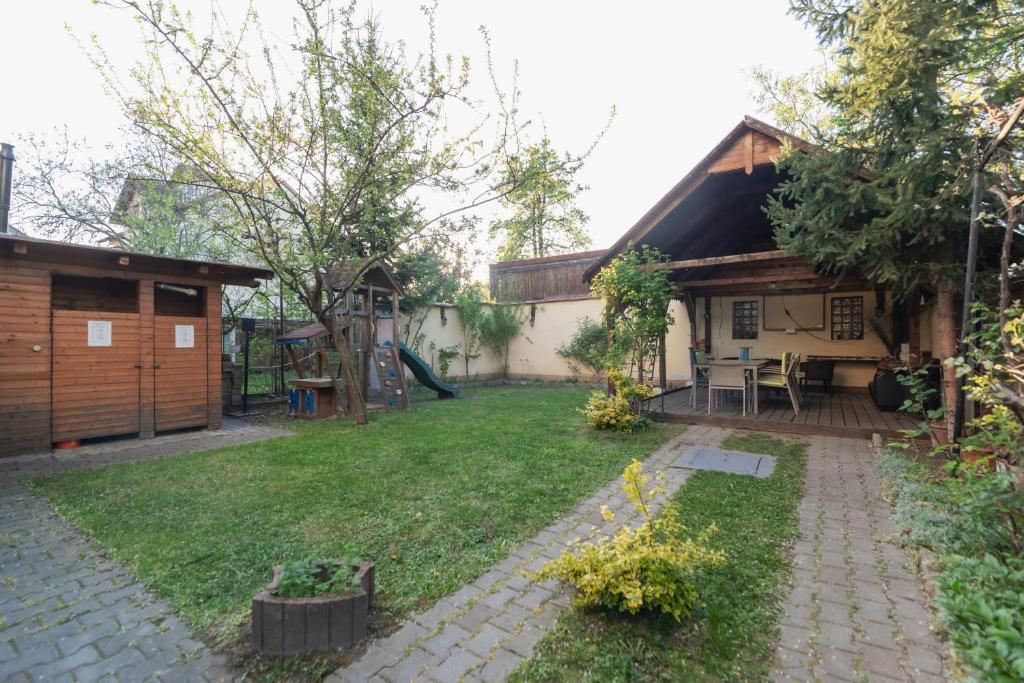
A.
pixel 856 611
pixel 69 614
pixel 488 627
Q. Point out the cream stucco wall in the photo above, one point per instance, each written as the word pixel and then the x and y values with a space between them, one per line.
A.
pixel 533 354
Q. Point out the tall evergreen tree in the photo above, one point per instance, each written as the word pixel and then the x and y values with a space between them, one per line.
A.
pixel 889 198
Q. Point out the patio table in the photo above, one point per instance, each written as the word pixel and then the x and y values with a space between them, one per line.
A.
pixel 752 366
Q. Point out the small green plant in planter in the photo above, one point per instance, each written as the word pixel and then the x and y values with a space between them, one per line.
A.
pixel 313 604
pixel 306 578
pixel 921 396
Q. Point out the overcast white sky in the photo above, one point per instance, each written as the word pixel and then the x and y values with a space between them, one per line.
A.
pixel 676 71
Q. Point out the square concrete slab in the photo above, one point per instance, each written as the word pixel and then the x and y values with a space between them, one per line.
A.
pixel 733 462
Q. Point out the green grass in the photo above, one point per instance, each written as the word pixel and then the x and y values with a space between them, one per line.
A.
pixel 434 496
pixel 733 638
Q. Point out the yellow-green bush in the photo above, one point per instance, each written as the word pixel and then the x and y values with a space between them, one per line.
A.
pixel 650 567
pixel 620 411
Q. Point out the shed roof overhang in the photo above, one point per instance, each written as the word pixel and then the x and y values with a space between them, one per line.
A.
pixel 53 255
pixel 713 227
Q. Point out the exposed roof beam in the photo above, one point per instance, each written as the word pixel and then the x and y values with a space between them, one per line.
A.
pixel 767 278
pixel 720 260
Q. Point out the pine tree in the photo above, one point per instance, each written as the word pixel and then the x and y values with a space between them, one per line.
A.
pixel 889 197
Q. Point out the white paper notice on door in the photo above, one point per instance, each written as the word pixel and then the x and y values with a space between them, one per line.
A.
pixel 184 336
pixel 99 333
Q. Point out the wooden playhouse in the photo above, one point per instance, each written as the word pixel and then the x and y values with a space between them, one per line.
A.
pixel 99 342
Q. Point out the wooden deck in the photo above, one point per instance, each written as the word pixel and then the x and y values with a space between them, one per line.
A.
pixel 842 413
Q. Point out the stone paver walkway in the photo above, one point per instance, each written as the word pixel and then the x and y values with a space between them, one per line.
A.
pixel 67 613
pixel 488 627
pixel 856 611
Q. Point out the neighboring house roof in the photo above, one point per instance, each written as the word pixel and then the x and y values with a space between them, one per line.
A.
pixel 750 144
pixel 53 252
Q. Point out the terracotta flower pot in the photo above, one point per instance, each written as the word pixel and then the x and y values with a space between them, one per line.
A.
pixel 975 454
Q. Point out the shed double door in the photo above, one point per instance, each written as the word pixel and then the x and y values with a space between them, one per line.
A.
pixel 98 388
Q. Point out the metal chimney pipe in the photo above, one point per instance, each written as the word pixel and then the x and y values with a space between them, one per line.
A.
pixel 6 173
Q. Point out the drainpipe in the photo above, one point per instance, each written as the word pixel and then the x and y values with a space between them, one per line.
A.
pixel 6 173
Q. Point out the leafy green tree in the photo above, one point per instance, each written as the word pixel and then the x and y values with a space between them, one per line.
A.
pixel 470 304
pixel 498 328
pixel 324 145
pixel 428 275
pixel 544 217
pixel 888 198
pixel 636 297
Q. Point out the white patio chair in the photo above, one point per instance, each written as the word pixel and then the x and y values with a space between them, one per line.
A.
pixel 729 378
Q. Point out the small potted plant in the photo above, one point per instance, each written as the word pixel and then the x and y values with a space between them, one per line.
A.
pixel 313 604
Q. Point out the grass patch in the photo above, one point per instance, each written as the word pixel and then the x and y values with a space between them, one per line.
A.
pixel 733 637
pixel 434 496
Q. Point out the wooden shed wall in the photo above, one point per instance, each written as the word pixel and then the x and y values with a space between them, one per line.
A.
pixel 544 279
pixel 24 373
pixel 27 377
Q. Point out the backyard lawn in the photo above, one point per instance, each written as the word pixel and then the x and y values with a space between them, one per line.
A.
pixel 433 496
pixel 732 639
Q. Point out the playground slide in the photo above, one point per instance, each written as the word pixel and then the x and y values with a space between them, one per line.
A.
pixel 424 374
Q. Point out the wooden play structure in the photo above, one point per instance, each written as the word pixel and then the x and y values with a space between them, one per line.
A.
pixel 368 318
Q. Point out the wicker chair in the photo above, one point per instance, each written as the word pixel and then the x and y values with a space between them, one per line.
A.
pixel 783 377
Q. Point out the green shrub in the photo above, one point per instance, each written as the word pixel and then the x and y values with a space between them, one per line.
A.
pixel 971 518
pixel 982 601
pixel 620 411
pixel 587 347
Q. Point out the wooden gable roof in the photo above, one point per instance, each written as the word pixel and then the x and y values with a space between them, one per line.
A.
pixel 726 188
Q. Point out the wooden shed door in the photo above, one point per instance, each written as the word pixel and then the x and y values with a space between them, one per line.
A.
pixel 95 374
pixel 180 366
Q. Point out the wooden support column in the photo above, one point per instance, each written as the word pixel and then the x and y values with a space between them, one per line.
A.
pixel 914 331
pixel 147 374
pixel 403 401
pixel 707 325
pixel 691 317
pixel 214 411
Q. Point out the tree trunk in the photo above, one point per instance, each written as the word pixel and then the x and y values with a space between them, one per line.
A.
pixel 947 347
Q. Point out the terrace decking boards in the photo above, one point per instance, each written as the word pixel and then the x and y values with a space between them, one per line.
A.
pixel 842 413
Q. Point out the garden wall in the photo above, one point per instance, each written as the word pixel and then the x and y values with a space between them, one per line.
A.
pixel 533 355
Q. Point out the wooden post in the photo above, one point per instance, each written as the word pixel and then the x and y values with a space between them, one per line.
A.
pixel 707 325
pixel 691 317
pixel 147 375
pixel 404 402
pixel 214 408
pixel 914 333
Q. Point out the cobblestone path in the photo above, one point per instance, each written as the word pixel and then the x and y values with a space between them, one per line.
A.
pixel 856 611
pixel 488 627
pixel 69 614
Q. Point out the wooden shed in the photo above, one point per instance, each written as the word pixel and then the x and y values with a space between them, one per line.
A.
pixel 100 342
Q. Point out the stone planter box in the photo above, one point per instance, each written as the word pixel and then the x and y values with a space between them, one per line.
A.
pixel 288 626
